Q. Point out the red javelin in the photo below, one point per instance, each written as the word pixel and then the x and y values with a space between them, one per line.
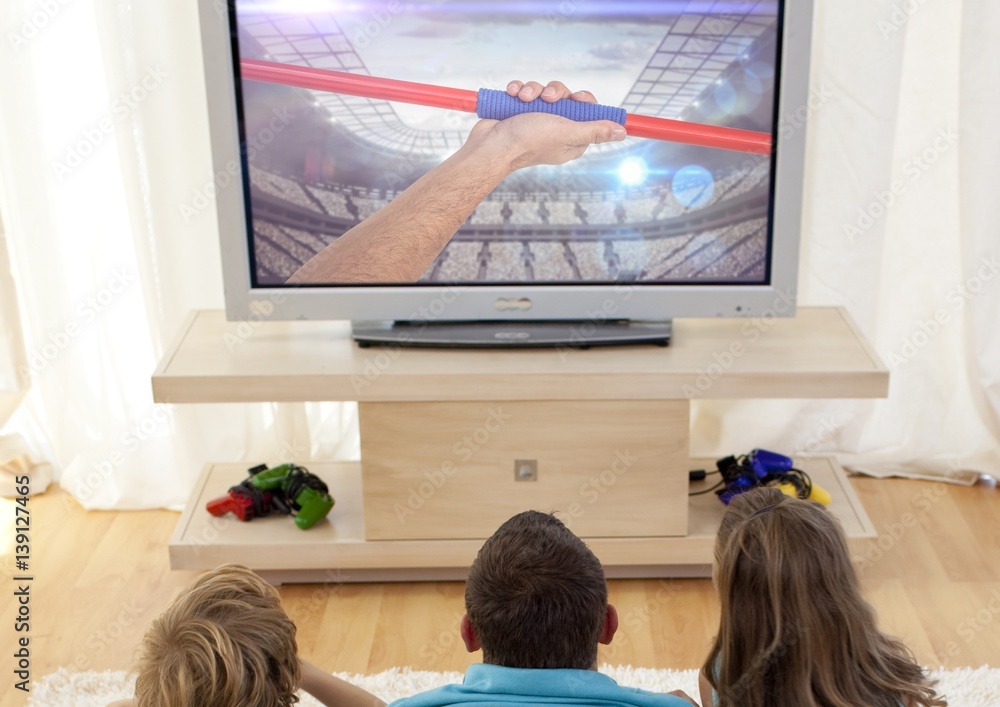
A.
pixel 464 100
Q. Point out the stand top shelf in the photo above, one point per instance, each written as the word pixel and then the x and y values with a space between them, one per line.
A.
pixel 820 353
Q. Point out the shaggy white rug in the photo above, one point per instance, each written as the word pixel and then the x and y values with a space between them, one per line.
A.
pixel 965 687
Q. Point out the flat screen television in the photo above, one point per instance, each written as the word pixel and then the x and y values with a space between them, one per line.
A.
pixel 643 230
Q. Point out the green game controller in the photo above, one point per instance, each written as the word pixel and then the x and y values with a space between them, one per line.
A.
pixel 296 491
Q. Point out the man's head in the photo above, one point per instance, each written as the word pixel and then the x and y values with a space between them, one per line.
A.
pixel 536 597
pixel 224 642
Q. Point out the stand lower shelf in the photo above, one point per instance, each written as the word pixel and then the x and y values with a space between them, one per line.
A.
pixel 335 550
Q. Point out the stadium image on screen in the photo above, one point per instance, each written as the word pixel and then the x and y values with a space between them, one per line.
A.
pixel 641 210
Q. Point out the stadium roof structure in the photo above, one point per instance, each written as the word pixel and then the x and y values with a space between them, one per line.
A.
pixel 318 41
pixel 694 52
pixel 696 49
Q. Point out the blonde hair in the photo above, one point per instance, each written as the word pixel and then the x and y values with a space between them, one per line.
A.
pixel 795 630
pixel 225 642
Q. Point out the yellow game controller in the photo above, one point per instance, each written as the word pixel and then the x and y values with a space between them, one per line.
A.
pixel 818 493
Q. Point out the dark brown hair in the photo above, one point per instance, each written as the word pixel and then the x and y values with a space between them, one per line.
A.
pixel 536 596
pixel 795 630
pixel 225 642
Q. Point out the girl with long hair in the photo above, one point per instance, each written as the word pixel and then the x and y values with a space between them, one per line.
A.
pixel 795 630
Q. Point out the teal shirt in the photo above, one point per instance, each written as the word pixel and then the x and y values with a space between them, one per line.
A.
pixel 492 685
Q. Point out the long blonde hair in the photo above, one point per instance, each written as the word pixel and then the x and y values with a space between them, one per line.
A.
pixel 795 630
pixel 225 642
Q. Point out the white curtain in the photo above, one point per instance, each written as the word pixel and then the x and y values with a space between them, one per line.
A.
pixel 12 356
pixel 103 137
pixel 902 227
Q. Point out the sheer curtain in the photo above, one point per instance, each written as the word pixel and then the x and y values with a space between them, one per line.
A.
pixel 902 227
pixel 103 140
pixel 103 137
pixel 12 357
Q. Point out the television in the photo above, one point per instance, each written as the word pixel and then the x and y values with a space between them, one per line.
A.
pixel 636 232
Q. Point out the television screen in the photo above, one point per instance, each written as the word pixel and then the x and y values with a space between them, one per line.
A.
pixel 641 210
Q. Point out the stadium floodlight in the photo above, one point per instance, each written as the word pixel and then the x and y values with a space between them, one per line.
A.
pixel 633 171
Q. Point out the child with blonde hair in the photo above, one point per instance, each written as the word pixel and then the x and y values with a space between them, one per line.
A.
pixel 795 630
pixel 227 642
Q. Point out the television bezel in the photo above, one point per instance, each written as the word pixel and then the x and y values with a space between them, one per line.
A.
pixel 528 301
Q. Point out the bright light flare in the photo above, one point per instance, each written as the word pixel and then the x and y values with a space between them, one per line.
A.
pixel 633 171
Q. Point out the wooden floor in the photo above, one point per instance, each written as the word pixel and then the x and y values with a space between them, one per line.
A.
pixel 101 577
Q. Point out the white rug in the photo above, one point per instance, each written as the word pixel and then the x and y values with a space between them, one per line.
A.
pixel 965 687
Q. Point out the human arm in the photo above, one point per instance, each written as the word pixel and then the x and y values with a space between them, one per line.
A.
pixel 706 689
pixel 684 696
pixel 122 703
pixel 333 691
pixel 400 241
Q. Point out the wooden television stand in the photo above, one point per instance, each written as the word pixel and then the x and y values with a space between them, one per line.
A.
pixel 454 442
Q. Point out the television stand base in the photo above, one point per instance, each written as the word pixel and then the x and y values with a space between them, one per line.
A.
pixel 574 334
pixel 456 442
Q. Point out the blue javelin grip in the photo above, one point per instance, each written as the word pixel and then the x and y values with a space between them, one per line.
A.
pixel 498 105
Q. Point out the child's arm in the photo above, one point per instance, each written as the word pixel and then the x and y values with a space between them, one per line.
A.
pixel 707 692
pixel 122 703
pixel 684 696
pixel 332 691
